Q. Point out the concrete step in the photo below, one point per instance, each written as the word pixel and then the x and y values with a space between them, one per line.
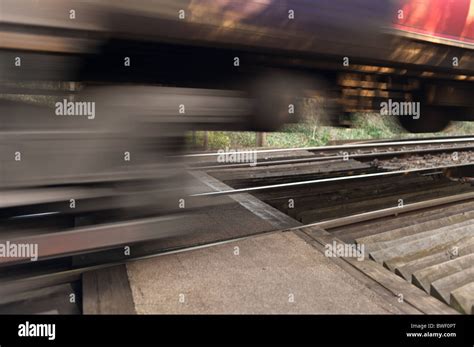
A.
pixel 448 247
pixel 463 247
pixel 411 230
pixel 376 246
pixel 462 299
pixel 424 277
pixel 400 221
pixel 443 287
pixel 429 245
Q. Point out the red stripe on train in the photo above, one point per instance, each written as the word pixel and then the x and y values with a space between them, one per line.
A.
pixel 446 19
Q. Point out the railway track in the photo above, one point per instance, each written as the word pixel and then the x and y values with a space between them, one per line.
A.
pixel 359 151
pixel 381 232
pixel 377 210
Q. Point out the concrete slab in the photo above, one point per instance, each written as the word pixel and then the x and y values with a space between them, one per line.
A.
pixel 406 269
pixel 427 245
pixel 463 298
pixel 413 232
pixel 443 287
pixel 424 277
pixel 273 273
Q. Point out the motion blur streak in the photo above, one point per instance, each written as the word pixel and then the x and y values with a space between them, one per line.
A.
pixel 97 97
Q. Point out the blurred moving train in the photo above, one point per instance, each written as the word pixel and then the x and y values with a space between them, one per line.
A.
pixel 155 69
pixel 357 52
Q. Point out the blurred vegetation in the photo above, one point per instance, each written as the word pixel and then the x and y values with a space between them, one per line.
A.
pixel 366 126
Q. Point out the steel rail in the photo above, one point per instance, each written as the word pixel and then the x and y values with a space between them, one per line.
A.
pixel 323 180
pixel 341 147
pixel 80 240
pixel 44 280
pixel 390 211
pixel 330 157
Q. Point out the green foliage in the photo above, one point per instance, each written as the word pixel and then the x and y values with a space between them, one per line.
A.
pixel 242 139
pixel 366 126
pixel 218 139
pixel 223 139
